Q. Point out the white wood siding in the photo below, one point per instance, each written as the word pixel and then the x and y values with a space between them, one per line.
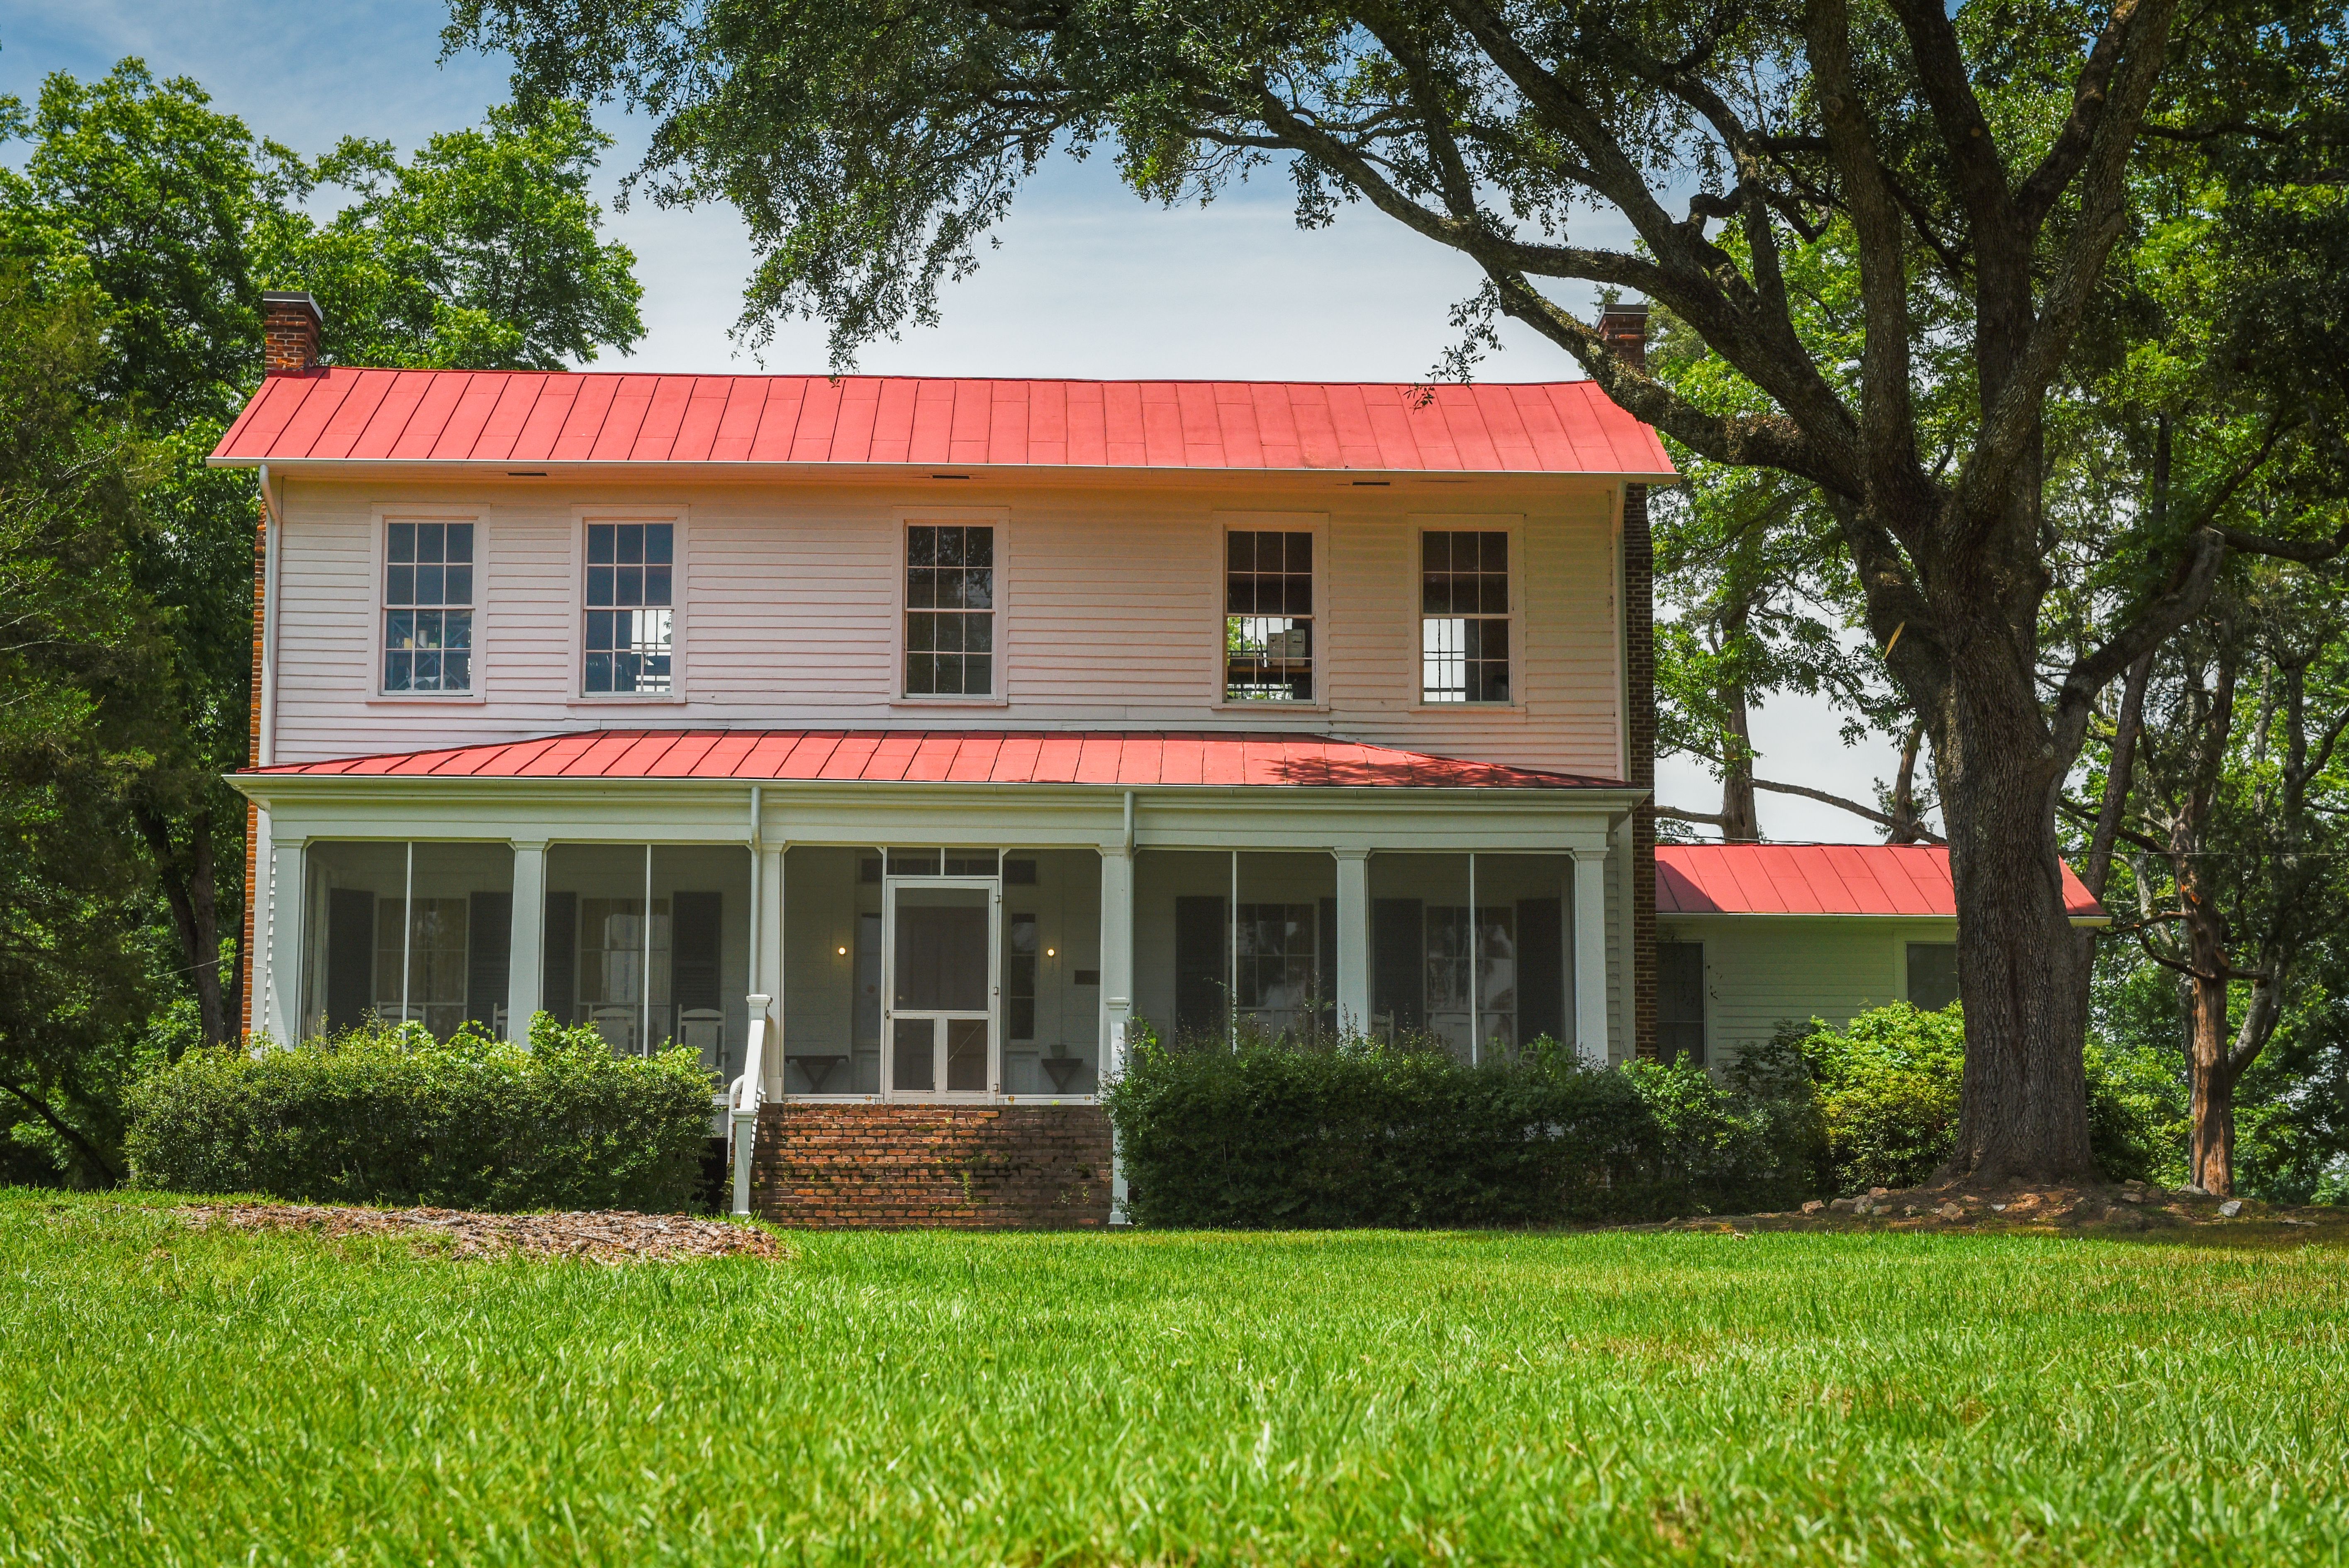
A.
pixel 786 612
pixel 1761 971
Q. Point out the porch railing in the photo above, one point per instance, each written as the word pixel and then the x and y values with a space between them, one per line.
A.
pixel 743 1100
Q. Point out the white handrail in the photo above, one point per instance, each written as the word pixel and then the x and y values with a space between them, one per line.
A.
pixel 743 1100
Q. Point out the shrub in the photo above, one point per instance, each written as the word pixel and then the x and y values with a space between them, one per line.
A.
pixel 1886 1088
pixel 389 1116
pixel 1356 1133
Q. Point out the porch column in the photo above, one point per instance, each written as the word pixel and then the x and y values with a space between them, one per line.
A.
pixel 526 960
pixel 766 964
pixel 1591 957
pixel 1117 990
pixel 1353 941
pixel 281 948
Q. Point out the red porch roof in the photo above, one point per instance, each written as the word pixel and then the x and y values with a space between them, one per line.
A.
pixel 530 418
pixel 950 757
pixel 1821 879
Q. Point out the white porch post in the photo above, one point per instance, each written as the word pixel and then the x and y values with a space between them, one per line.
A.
pixel 526 953
pixel 1117 989
pixel 1591 957
pixel 279 973
pixel 1353 941
pixel 766 964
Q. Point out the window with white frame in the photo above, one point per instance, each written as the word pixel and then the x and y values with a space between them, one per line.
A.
pixel 1463 624
pixel 1267 616
pixel 630 614
pixel 949 610
pixel 427 607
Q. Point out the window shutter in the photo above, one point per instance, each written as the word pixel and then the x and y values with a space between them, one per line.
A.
pixel 350 957
pixel 560 972
pixel 1398 962
pixel 1541 969
pixel 694 935
pixel 1201 952
pixel 489 949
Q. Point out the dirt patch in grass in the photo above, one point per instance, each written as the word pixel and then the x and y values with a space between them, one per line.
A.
pixel 606 1237
pixel 2119 1209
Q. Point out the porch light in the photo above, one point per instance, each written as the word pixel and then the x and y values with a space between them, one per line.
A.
pixel 1052 953
pixel 842 951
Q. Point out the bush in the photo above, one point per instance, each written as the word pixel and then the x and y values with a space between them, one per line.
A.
pixel 1886 1088
pixel 387 1116
pixel 1277 1134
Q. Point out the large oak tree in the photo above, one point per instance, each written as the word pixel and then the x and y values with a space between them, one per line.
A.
pixel 1977 163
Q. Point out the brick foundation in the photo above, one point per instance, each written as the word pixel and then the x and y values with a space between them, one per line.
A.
pixel 915 1166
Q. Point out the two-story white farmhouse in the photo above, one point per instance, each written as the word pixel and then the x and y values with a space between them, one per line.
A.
pixel 903 745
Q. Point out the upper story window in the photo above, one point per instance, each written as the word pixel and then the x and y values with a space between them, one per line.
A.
pixel 1464 626
pixel 428 615
pixel 1267 616
pixel 631 628
pixel 949 610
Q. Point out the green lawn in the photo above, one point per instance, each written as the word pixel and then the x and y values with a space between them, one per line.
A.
pixel 170 1396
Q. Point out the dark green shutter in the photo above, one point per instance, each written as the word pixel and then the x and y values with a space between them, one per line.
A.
pixel 489 952
pixel 559 971
pixel 1202 949
pixel 1398 962
pixel 350 957
pixel 1541 969
pixel 694 934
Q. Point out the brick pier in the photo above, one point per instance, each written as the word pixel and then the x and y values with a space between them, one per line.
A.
pixel 907 1166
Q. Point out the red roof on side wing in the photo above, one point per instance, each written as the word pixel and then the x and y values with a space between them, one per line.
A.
pixel 1821 879
pixel 534 418
pixel 942 756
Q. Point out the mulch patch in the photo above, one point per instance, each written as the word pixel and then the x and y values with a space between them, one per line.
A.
pixel 2123 1208
pixel 604 1236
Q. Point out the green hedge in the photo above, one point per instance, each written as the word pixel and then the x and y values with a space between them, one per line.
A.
pixel 386 1116
pixel 1887 1088
pixel 1271 1134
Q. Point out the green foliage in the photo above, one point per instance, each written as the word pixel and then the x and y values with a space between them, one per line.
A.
pixel 1275 1134
pixel 390 1115
pixel 138 225
pixel 480 252
pixel 1887 1084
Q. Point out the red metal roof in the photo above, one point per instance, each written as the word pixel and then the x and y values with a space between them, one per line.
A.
pixel 1820 879
pixel 950 757
pixel 536 417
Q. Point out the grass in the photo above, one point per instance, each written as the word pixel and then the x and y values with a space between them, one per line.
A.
pixel 173 1395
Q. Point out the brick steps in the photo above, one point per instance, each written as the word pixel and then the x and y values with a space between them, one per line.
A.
pixel 951 1167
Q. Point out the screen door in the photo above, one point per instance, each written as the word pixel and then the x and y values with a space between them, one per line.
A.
pixel 941 988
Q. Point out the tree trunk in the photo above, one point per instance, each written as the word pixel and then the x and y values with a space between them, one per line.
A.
pixel 2210 1067
pixel 187 879
pixel 1908 826
pixel 2024 1106
pixel 1741 816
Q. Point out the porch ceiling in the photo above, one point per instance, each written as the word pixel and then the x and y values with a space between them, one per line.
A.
pixel 1129 758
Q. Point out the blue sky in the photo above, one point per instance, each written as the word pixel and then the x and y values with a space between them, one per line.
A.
pixel 1089 281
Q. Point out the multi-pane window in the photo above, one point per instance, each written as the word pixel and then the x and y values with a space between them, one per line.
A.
pixel 1464 617
pixel 1275 947
pixel 1680 1000
pixel 1267 616
pixel 949 610
pixel 427 616
pixel 630 625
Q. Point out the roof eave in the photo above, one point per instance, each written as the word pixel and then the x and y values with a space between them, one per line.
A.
pixel 523 468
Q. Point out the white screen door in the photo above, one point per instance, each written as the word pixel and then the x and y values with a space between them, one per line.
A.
pixel 941 988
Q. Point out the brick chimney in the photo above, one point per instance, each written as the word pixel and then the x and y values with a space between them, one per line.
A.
pixel 290 324
pixel 1624 328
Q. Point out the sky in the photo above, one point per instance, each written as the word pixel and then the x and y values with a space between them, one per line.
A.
pixel 1089 280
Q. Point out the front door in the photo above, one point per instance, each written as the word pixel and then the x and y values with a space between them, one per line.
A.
pixel 941 988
